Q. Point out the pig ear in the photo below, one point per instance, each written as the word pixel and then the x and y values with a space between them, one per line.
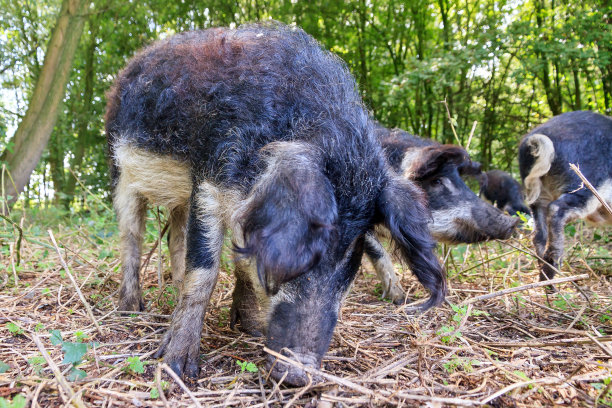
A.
pixel 433 158
pixel 289 221
pixel 470 168
pixel 402 208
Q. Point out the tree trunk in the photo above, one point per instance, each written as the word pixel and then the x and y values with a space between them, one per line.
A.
pixel 34 131
pixel 84 117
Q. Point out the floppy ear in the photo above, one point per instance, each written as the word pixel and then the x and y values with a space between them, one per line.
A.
pixel 432 158
pixel 470 168
pixel 290 218
pixel 402 208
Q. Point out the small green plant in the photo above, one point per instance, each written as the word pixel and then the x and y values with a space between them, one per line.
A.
pixel 563 301
pixel 14 329
pixel 80 336
pixel 73 353
pixel 36 363
pixel 605 392
pixel 154 393
pixel 448 334
pixel 19 401
pixel 39 327
pixel 247 366
pixel 4 367
pixel 135 365
pixel 460 363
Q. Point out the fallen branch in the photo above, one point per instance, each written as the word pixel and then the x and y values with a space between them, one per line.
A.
pixel 59 377
pixel 525 287
pixel 75 284
pixel 378 394
pixel 563 342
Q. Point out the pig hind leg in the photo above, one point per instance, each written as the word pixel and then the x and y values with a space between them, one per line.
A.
pixel 131 212
pixel 246 308
pixel 565 209
pixel 176 244
pixel 383 265
pixel 540 212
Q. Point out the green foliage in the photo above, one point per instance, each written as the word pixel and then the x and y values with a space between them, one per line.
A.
pixel 36 363
pixel 247 366
pixel 4 367
pixel 563 301
pixel 154 393
pixel 506 65
pixel 135 365
pixel 56 337
pixel 14 328
pixel 448 334
pixel 605 392
pixel 19 401
pixel 459 364
pixel 73 352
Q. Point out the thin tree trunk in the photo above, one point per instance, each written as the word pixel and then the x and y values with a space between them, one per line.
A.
pixel 35 129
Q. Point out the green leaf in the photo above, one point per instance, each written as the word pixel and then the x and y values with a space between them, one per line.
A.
pixel 241 364
pixel 154 393
pixel 36 360
pixel 56 337
pixel 80 336
pixel 14 328
pixel 76 374
pixel 251 367
pixel 19 401
pixel 135 365
pixel 4 367
pixel 73 352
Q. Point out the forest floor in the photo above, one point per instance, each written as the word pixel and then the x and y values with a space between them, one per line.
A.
pixel 519 349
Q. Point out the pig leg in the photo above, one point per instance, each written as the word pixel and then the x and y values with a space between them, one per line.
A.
pixel 180 345
pixel 539 212
pixel 383 264
pixel 246 308
pixel 561 211
pixel 131 212
pixel 176 244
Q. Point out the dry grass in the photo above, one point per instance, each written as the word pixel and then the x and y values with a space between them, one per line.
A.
pixel 518 349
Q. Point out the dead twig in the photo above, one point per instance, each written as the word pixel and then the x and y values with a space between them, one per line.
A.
pixel 75 284
pixel 524 287
pixel 59 377
pixel 180 382
pixel 586 182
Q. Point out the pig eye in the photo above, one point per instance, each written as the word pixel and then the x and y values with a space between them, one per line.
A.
pixel 436 182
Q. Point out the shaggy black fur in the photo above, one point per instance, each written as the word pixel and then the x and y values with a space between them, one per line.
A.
pixel 503 191
pixel 583 138
pixel 219 100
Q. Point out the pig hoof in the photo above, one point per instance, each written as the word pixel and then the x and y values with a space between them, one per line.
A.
pixel 131 304
pixel 181 354
pixel 397 295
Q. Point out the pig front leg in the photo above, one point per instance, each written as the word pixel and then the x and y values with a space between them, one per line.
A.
pixel 383 264
pixel 180 345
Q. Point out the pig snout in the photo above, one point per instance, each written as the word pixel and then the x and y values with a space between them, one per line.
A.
pixel 494 223
pixel 292 374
